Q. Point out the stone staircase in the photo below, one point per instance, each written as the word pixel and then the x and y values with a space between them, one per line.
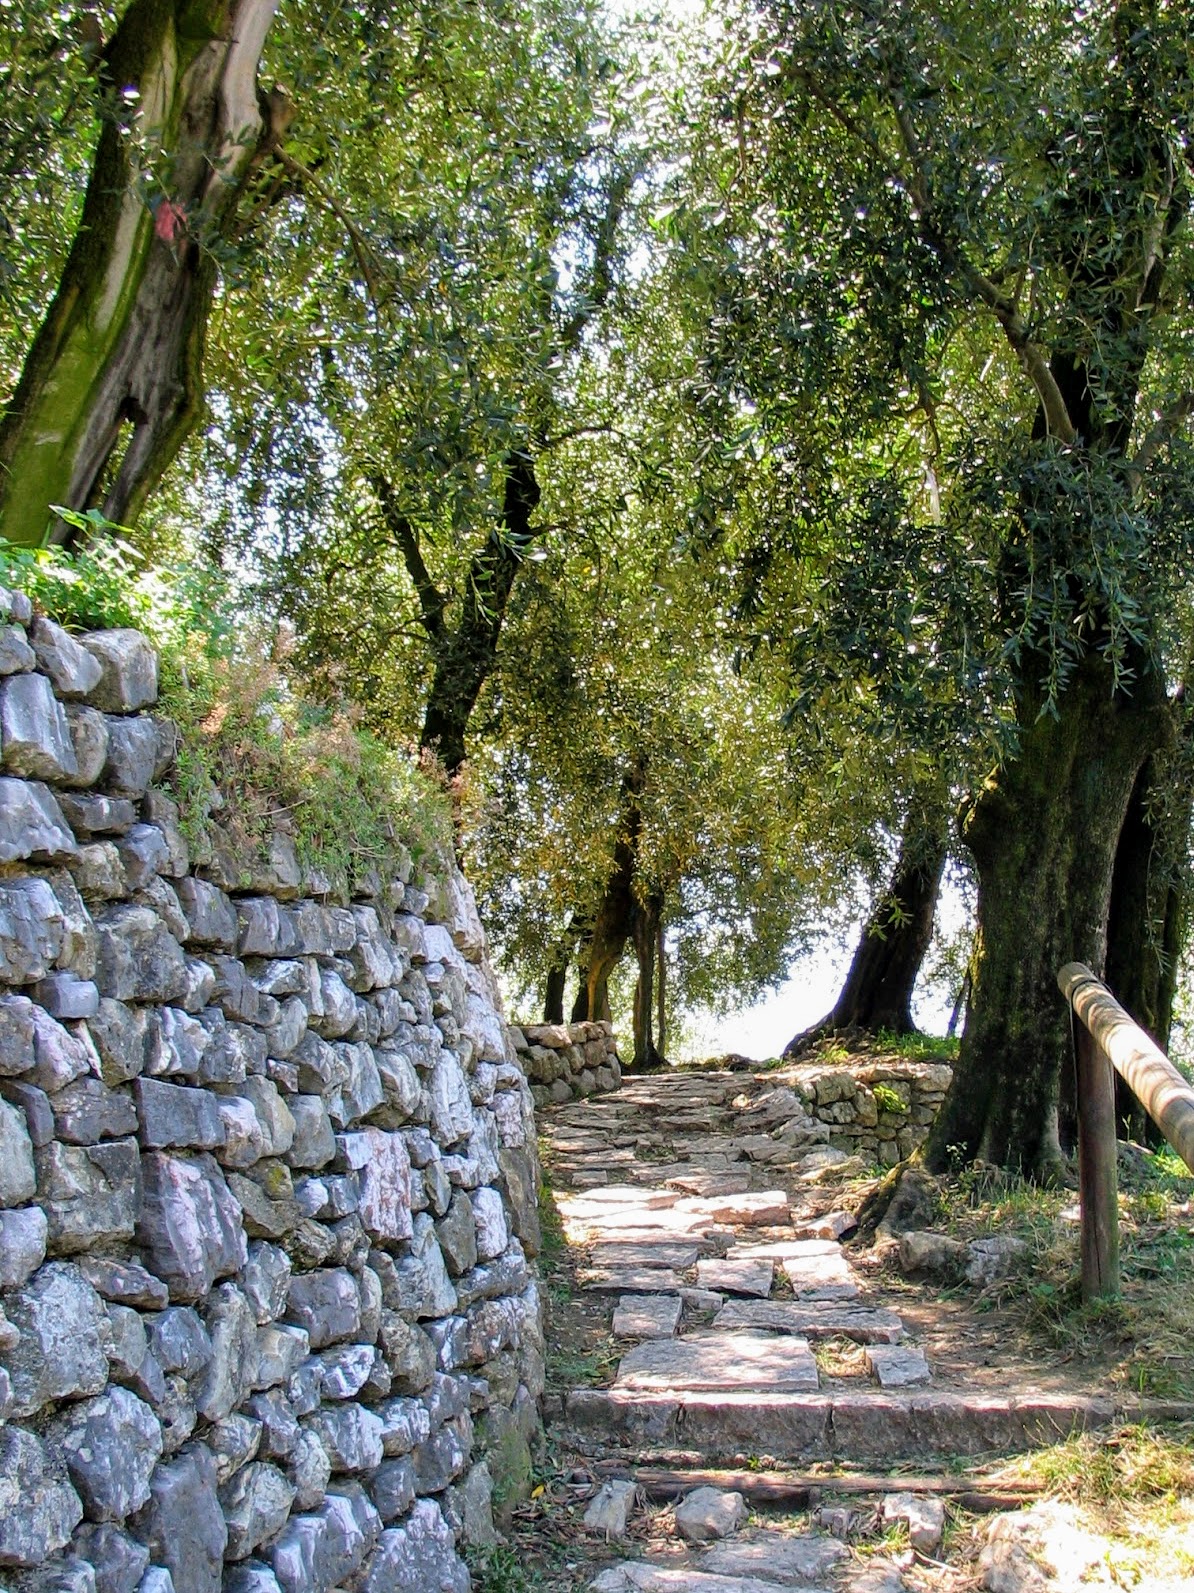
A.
pixel 747 1335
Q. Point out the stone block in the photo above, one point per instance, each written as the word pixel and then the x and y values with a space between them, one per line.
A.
pixel 90 738
pixel 32 929
pixel 32 824
pixel 35 740
pixel 190 1224
pixel 256 1504
pixel 66 997
pixel 39 1510
pixel 131 757
pixel 183 1525
pixel 90 813
pixel 418 1554
pixel 22 1245
pixel 90 1194
pixel 87 1111
pixel 111 1446
pixel 327 1304
pixel 314 1143
pixel 121 1034
pixel 171 1115
pixel 327 1548
pixel 118 1560
pixel 18 1181
pixel 128 673
pixel 72 669
pixel 16 654
pixel 231 1374
pixel 138 959
pixel 383 1165
pixel 62 1352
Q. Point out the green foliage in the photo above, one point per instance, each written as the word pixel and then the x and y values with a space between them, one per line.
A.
pixel 255 756
pixel 888 1100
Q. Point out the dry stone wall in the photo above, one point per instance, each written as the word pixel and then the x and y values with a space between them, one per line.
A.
pixel 267 1184
pixel 880 1110
pixel 567 1061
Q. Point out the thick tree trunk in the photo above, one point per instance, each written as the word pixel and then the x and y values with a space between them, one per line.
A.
pixel 466 655
pixel 648 918
pixel 877 994
pixel 1146 925
pixel 553 994
pixel 1043 833
pixel 117 363
pixel 614 922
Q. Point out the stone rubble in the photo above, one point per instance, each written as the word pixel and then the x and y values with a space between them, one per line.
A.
pixel 268 1182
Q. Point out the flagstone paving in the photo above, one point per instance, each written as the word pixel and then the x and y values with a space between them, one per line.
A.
pixel 701 1209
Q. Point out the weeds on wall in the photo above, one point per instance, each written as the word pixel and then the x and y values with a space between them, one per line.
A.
pixel 256 757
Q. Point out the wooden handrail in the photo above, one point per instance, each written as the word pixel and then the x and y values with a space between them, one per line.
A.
pixel 1143 1066
pixel 1108 1038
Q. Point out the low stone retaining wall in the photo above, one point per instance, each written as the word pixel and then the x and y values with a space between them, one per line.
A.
pixel 566 1061
pixel 879 1110
pixel 267 1184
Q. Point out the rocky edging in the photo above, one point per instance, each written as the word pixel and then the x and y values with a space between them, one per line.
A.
pixel 567 1061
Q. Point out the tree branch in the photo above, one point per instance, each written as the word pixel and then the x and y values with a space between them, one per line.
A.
pixel 361 249
pixel 1171 421
pixel 431 600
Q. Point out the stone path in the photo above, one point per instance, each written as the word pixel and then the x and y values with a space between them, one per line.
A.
pixel 746 1334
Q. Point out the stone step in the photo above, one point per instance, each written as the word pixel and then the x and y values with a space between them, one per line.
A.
pixel 813 1319
pixel 647 1316
pixel 629 1280
pixel 736 1276
pixel 770 1571
pixel 897 1365
pixel 629 1253
pixel 863 1427
pixel 718 1361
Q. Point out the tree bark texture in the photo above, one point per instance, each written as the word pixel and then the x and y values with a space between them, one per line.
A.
pixel 117 362
pixel 466 653
pixel 877 993
pixel 647 920
pixel 1043 833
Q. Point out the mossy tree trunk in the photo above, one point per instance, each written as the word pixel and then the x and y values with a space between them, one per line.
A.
pixel 877 993
pixel 1147 921
pixel 613 923
pixel 112 383
pixel 1043 833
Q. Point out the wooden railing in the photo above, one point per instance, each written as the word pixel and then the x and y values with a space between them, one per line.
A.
pixel 1106 1038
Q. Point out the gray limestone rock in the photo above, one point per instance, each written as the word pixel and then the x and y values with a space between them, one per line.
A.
pixel 87 1111
pixel 119 1561
pixel 32 928
pixel 417 1556
pixel 67 997
pixel 90 737
pixel 423 1288
pixel 18 1181
pixel 132 755
pixel 457 1235
pixel 451 1108
pixel 90 813
pixel 90 1194
pixel 327 1548
pixel 210 914
pixel 314 1143
pixel 15 652
pixel 344 1371
pixel 183 1525
pixel 178 1041
pixel 64 1339
pixel 73 670
pixel 144 852
pixel 125 1282
pixel 444 1455
pixel 130 1343
pixel 351 1435
pixel 22 1245
pixel 230 1375
pixel 924 1516
pixel 16 1031
pixel 180 1341
pixel 35 1103
pixel 709 1513
pixel 922 1251
pixel 800 1560
pixel 392 1488
pixel 610 1510
pixel 409 1353
pixel 256 1505
pixel 60 1054
pixel 121 1036
pixel 327 1304
pixel 190 1224
pixel 32 824
pixel 280 1352
pixel 406 1423
pixel 251 1578
pixel 279 1427
pixel 994 1258
pixel 38 1507
pixel 519 1183
pixel 111 1446
pixel 309 1470
pixel 384 1167
pixel 171 1115
pixel 138 959
pixel 35 738
pixel 243 1139
pixel 276 1119
pixel 265 1281
pixel 157 1580
pixel 128 673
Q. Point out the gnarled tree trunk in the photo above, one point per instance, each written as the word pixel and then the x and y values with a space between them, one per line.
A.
pixel 113 380
pixel 877 994
pixel 648 920
pixel 1043 833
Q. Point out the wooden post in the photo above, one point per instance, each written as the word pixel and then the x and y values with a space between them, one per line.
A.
pixel 1097 1179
